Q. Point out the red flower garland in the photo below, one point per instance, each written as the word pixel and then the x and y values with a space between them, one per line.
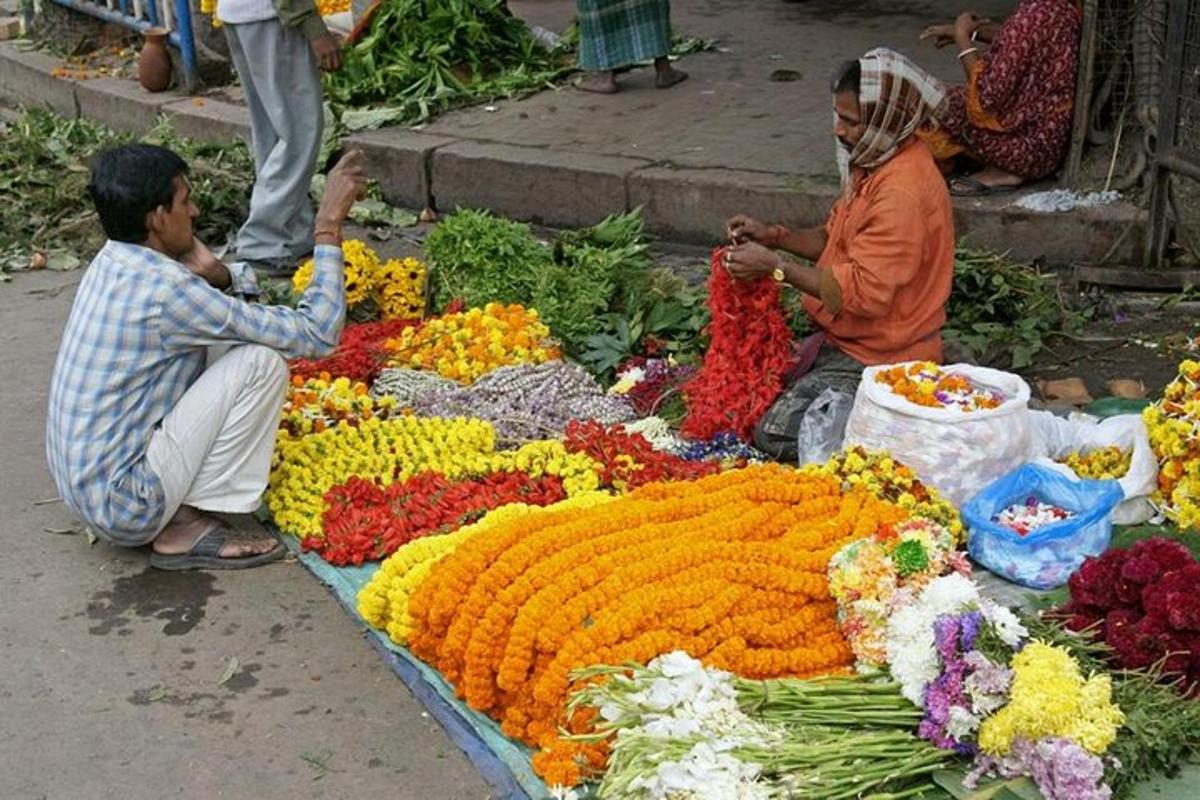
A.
pixel 1146 603
pixel 749 355
pixel 359 356
pixel 366 522
pixel 628 459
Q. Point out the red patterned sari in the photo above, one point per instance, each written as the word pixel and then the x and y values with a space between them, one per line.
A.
pixel 1015 111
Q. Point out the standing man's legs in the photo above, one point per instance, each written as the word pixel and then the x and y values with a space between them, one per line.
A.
pixel 282 83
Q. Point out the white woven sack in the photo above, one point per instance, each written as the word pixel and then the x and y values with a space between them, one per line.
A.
pixel 957 452
pixel 1056 438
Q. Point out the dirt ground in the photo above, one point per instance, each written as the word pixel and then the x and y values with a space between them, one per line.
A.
pixel 1136 337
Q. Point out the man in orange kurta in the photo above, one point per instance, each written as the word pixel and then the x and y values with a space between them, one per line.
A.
pixel 884 261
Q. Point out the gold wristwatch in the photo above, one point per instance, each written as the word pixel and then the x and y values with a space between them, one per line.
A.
pixel 779 275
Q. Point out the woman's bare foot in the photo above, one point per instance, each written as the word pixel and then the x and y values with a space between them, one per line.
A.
pixel 989 180
pixel 598 82
pixel 667 76
pixel 189 525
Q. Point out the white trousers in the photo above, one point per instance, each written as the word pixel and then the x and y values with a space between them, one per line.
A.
pixel 213 450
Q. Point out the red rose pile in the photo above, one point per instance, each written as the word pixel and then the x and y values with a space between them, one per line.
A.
pixel 749 355
pixel 627 459
pixel 1147 601
pixel 367 522
pixel 360 354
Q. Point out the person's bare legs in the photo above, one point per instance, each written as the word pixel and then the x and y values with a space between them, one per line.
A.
pixel 667 76
pixel 189 525
pixel 599 82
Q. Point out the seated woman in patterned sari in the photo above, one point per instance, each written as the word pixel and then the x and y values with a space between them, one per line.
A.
pixel 1014 114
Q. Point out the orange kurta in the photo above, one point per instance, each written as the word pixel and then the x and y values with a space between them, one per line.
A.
pixel 891 251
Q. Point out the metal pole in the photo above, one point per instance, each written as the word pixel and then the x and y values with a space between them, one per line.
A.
pixel 1083 93
pixel 1158 228
pixel 187 44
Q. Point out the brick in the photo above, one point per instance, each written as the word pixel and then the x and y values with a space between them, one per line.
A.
pixel 399 159
pixel 121 104
pixel 208 120
pixel 548 187
pixel 10 28
pixel 694 204
pixel 26 79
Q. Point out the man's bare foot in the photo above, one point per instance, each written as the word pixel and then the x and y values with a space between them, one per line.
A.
pixel 189 525
pixel 667 76
pixel 598 82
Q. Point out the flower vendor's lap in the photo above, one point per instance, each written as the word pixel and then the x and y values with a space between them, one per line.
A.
pixel 776 433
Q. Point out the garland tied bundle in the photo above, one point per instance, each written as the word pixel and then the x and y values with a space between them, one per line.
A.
pixel 729 568
pixel 748 358
pixel 526 402
pixel 367 522
pixel 359 356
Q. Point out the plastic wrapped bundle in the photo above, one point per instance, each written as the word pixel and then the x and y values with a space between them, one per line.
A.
pixel 527 402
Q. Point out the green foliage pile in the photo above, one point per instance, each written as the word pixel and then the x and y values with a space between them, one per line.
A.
pixel 480 258
pixel 1003 311
pixel 597 288
pixel 421 57
pixel 44 169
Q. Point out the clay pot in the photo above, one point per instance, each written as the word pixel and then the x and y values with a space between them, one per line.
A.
pixel 154 63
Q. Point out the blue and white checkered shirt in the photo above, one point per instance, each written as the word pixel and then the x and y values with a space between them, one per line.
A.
pixel 135 341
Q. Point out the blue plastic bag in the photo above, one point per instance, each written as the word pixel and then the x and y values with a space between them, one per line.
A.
pixel 1045 557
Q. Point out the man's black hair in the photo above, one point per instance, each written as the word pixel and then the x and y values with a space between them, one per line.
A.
pixel 130 181
pixel 848 78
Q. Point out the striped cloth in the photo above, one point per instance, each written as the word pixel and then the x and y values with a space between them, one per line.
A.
pixel 896 97
pixel 617 33
pixel 135 341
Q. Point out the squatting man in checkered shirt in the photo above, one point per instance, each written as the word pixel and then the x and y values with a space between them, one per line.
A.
pixel 167 390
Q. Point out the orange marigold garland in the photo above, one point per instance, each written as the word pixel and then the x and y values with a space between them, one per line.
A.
pixel 749 355
pixel 729 568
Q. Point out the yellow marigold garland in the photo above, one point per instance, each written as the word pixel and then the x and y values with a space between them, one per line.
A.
pixel 307 467
pixel 465 345
pixel 1174 426
pixel 1102 463
pixel 888 479
pixel 386 450
pixel 315 404
pixel 361 264
pixel 327 7
pixel 383 601
pixel 400 289
pixel 729 568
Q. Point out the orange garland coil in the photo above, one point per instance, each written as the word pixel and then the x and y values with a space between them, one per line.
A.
pixel 729 568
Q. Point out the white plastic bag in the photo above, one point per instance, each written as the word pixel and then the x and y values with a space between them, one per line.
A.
pixel 823 426
pixel 1057 438
pixel 955 451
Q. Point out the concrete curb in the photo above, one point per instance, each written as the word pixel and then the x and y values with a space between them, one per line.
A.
pixel 564 188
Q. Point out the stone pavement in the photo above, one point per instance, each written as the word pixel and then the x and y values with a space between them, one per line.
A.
pixel 729 139
pixel 110 671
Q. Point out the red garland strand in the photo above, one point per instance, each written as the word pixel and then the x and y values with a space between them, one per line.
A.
pixel 359 356
pixel 748 357
pixel 366 522
pixel 627 459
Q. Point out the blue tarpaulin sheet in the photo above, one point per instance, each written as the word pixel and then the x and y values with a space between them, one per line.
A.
pixel 503 763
